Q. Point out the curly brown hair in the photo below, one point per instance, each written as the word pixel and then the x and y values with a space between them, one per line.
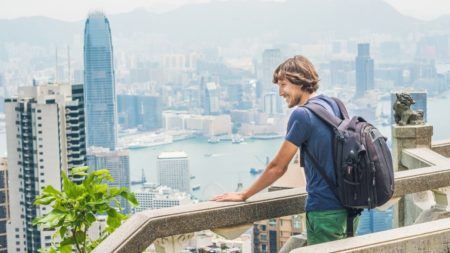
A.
pixel 298 70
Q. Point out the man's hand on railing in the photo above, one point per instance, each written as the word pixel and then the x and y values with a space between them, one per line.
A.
pixel 230 196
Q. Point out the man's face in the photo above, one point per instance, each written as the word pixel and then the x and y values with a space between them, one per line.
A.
pixel 292 93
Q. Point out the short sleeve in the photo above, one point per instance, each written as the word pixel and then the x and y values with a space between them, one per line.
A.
pixel 299 127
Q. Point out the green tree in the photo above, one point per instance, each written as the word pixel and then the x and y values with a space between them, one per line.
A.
pixel 74 209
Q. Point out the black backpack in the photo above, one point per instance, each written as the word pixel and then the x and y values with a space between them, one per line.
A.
pixel 364 170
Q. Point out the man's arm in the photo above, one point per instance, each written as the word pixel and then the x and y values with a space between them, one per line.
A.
pixel 274 170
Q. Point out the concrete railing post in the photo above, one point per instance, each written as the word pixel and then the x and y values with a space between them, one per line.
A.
pixel 407 137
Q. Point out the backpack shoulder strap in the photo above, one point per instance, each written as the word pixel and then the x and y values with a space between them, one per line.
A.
pixel 322 113
pixel 342 107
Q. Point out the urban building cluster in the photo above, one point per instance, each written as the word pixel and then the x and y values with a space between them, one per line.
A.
pixel 65 118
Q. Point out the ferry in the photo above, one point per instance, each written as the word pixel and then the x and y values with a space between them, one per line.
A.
pixel 213 140
pixel 237 139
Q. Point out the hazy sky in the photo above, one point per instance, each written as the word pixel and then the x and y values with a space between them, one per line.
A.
pixel 70 10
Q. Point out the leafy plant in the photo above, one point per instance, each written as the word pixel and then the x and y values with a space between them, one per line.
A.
pixel 74 209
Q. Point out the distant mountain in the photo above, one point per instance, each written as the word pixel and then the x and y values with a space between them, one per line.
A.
pixel 37 30
pixel 222 21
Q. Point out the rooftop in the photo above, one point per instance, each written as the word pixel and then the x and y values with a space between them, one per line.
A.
pixel 172 155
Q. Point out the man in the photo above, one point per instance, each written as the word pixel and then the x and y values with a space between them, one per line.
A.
pixel 325 216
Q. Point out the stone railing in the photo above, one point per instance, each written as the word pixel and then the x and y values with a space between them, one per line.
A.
pixel 441 147
pixel 422 165
pixel 425 237
pixel 137 233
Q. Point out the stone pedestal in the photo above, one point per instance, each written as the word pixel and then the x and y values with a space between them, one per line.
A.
pixel 403 137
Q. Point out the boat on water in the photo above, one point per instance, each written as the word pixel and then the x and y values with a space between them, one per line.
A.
pixel 255 171
pixel 196 187
pixel 213 140
pixel 237 139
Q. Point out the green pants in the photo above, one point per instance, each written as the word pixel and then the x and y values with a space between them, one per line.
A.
pixel 325 226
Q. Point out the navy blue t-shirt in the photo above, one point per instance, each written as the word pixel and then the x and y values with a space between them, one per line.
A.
pixel 305 128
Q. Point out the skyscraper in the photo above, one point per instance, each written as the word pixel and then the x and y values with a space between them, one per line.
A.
pixel 144 112
pixel 45 134
pixel 118 164
pixel 150 112
pixel 364 70
pixel 100 93
pixel 173 171
pixel 271 58
pixel 4 204
pixel 212 100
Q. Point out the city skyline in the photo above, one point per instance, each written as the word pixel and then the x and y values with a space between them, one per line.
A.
pixel 185 99
pixel 79 10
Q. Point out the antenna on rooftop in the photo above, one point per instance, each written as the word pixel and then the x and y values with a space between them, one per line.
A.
pixel 56 65
pixel 68 64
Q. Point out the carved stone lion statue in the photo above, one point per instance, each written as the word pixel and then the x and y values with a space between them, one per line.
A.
pixel 404 115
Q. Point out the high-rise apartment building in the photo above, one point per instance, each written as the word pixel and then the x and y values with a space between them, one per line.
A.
pixel 127 108
pixel 100 91
pixel 212 99
pixel 364 70
pixel 118 164
pixel 45 135
pixel 150 112
pixel 271 58
pixel 269 236
pixel 143 112
pixel 152 197
pixel 270 102
pixel 173 171
pixel 4 204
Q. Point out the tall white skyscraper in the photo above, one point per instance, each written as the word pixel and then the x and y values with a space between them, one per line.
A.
pixel 173 171
pixel 45 134
pixel 118 164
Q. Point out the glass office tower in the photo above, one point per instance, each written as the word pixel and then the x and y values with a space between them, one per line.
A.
pixel 100 93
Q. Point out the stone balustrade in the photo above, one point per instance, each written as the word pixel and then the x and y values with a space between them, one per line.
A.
pixel 441 147
pixel 422 169
pixel 426 237
pixel 143 228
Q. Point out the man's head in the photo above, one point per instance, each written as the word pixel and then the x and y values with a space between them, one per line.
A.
pixel 296 77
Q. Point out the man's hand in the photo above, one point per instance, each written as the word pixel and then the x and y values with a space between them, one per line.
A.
pixel 230 196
